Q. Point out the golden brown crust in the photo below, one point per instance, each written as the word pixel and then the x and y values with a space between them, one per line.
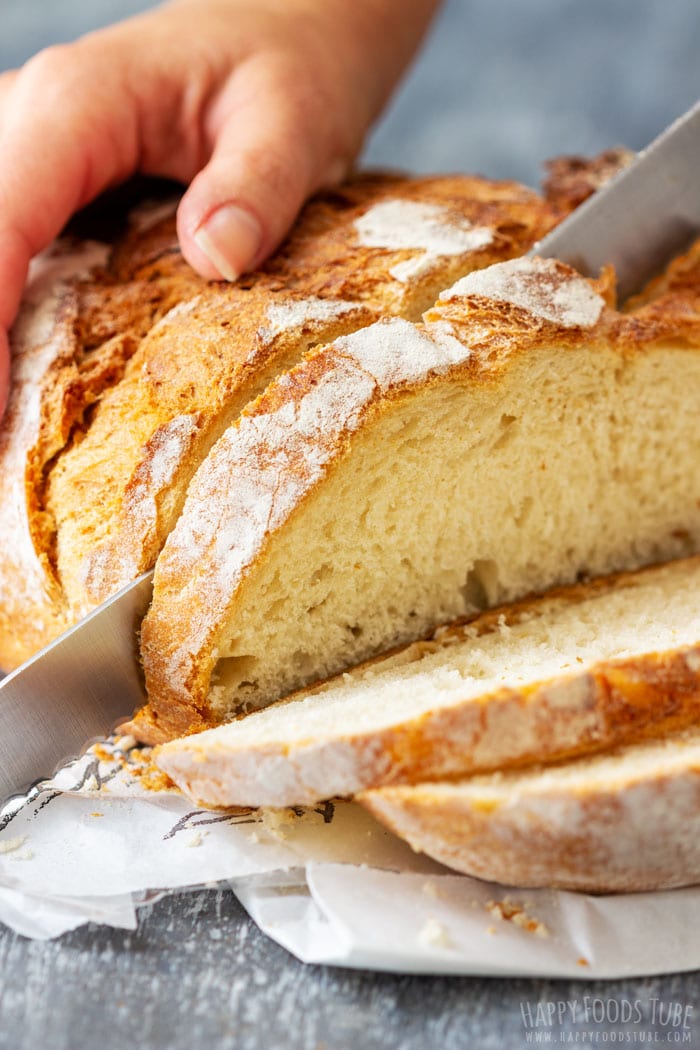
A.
pixel 609 703
pixel 337 265
pixel 115 308
pixel 674 292
pixel 572 179
pixel 625 822
pixel 187 382
pixel 615 702
pixel 94 323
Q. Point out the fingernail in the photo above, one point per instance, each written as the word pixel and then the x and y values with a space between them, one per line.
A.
pixel 230 239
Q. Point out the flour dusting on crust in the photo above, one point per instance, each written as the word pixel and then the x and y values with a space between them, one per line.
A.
pixel 162 456
pixel 401 225
pixel 288 314
pixel 544 287
pixel 397 351
pixel 39 338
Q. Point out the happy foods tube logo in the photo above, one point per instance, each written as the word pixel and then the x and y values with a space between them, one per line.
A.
pixel 597 1020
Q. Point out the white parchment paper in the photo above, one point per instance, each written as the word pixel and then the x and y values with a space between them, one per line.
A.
pixel 328 883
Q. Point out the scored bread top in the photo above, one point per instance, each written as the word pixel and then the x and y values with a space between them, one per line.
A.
pixel 350 245
pixel 401 241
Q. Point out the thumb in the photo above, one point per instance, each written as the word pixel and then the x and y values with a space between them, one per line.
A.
pixel 272 149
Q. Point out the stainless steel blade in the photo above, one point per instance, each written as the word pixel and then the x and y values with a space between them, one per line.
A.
pixel 73 691
pixel 642 217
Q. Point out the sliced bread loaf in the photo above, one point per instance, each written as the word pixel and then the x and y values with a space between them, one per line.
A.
pixel 150 364
pixel 623 822
pixel 409 474
pixel 581 669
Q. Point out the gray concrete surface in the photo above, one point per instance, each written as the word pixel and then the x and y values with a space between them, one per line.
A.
pixel 198 975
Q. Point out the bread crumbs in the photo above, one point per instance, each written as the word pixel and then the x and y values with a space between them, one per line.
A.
pixel 509 911
pixel 22 854
pixel 10 845
pixel 277 822
pixel 435 934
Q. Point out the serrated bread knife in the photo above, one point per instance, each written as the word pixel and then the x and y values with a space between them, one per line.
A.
pixel 73 691
pixel 76 689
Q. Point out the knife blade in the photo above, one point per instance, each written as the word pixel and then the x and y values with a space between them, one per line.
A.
pixel 78 687
pixel 644 216
pixel 73 691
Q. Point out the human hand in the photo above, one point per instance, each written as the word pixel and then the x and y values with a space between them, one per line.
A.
pixel 255 103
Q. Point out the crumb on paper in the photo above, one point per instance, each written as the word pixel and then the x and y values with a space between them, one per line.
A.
pixel 195 839
pixel 582 962
pixel 134 760
pixel 16 848
pixel 22 854
pixel 153 779
pixel 509 911
pixel 435 934
pixel 125 743
pixel 277 822
pixel 97 814
pixel 10 845
pixel 491 930
pixel 102 753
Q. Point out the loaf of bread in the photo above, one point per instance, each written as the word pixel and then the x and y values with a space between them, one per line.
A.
pixel 398 421
pixel 126 367
pixel 582 669
pixel 622 822
pixel 409 474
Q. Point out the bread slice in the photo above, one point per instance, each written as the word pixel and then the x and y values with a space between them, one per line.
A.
pixel 622 822
pixel 579 670
pixel 47 381
pixel 191 376
pixel 407 475
pixel 393 246
pixel 155 363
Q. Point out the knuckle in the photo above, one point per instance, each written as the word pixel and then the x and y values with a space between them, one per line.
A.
pixel 49 66
pixel 60 73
